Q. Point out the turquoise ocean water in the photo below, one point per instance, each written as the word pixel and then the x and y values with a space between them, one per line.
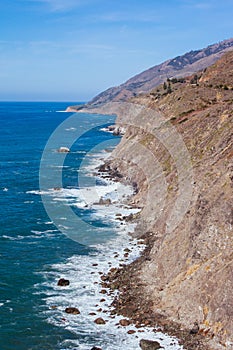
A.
pixel 35 253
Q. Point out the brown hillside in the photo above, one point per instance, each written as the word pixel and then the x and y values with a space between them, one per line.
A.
pixel 180 66
pixel 185 277
pixel 188 275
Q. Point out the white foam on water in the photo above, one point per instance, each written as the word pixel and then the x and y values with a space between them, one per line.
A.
pixel 59 166
pixel 12 238
pixel 71 129
pixel 84 293
pixel 37 192
pixel 89 196
pixel 84 273
pixel 96 159
pixel 107 130
pixel 42 232
pixel 35 235
pixel 79 205
pixel 61 199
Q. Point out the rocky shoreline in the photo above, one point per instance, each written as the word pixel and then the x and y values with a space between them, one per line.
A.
pixel 134 305
pixel 101 314
pixel 184 278
pixel 131 301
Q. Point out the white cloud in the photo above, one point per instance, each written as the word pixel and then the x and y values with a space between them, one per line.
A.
pixel 203 6
pixel 199 5
pixel 60 5
pixel 132 16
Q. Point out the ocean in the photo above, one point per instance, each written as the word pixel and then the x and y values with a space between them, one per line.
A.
pixel 53 225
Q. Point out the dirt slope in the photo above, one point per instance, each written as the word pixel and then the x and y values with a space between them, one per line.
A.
pixel 178 152
pixel 187 275
pixel 180 66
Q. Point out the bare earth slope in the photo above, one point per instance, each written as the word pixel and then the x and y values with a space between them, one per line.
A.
pixel 180 66
pixel 188 274
pixel 185 276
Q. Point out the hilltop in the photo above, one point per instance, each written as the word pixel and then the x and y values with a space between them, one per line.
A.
pixel 180 66
pixel 177 151
pixel 187 274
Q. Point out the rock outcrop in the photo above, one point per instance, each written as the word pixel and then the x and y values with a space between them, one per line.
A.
pixel 191 266
pixel 100 321
pixel 178 150
pixel 149 345
pixel 63 150
pixel 63 282
pixel 72 310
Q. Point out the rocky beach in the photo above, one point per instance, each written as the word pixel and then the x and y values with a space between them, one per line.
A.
pixel 183 280
pixel 116 170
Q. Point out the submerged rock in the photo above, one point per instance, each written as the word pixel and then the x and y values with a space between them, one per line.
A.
pixel 63 282
pixel 106 201
pixel 149 344
pixel 53 307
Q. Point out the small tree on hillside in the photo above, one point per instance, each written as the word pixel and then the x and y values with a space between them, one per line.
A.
pixel 194 80
pixel 169 89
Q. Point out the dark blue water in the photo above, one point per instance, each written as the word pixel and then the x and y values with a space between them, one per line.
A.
pixel 29 242
pixel 48 215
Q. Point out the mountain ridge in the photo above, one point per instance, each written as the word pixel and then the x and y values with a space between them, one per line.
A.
pixel 183 279
pixel 183 65
pixel 187 274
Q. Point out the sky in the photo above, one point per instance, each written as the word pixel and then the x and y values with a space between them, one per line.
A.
pixel 71 50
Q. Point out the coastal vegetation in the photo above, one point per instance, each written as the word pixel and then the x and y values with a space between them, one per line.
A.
pixel 183 281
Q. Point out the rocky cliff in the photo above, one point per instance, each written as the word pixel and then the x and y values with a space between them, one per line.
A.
pixel 180 66
pixel 177 150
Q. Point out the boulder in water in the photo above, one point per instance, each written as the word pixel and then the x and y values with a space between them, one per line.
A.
pixel 124 322
pixel 63 282
pixel 100 320
pixel 149 344
pixel 72 310
pixel 63 150
pixel 106 201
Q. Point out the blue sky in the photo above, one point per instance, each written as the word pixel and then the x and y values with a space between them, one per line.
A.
pixel 70 50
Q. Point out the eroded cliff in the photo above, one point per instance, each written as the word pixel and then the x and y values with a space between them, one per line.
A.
pixel 177 151
pixel 189 273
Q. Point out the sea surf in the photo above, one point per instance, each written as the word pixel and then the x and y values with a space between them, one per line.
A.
pixel 38 249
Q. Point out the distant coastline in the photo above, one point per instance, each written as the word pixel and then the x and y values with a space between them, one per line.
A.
pixel 74 109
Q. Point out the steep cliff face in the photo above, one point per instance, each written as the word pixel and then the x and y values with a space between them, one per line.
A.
pixel 178 152
pixel 178 149
pixel 189 273
pixel 180 66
